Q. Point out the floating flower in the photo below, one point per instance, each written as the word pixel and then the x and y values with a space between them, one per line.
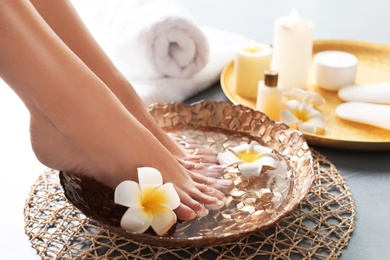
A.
pixel 150 202
pixel 251 158
pixel 301 113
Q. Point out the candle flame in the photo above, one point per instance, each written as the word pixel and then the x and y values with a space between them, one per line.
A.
pixel 252 47
pixel 294 15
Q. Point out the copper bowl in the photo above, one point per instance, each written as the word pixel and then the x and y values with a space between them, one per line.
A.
pixel 251 206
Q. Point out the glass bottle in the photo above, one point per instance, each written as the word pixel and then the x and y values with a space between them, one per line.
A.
pixel 269 95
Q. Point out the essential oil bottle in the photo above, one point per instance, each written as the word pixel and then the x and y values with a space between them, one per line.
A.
pixel 269 95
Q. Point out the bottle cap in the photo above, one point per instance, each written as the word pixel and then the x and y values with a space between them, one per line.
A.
pixel 271 78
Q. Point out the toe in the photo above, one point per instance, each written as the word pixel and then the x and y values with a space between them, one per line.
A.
pixel 185 213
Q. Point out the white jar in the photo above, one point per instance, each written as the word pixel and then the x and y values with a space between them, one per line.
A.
pixel 334 69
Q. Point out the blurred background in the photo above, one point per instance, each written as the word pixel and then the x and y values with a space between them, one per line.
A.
pixel 333 19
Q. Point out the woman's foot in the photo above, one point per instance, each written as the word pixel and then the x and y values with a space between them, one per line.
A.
pixel 202 160
pixel 110 151
pixel 78 123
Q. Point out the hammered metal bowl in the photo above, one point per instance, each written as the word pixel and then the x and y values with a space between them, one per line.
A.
pixel 250 206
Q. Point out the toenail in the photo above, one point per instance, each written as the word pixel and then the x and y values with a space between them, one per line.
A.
pixel 220 203
pixel 210 180
pixel 185 144
pixel 203 212
pixel 209 189
pixel 198 166
pixel 223 182
pixel 215 168
pixel 192 215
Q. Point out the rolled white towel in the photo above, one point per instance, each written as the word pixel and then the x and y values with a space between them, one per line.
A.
pixel 223 49
pixel 109 20
pixel 159 39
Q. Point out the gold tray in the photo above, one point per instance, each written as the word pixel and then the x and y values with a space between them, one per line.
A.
pixel 250 206
pixel 374 67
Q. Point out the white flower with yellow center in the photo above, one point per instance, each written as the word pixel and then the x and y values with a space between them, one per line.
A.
pixel 150 202
pixel 308 97
pixel 251 158
pixel 300 113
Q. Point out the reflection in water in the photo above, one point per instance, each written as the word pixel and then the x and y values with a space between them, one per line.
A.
pixel 253 201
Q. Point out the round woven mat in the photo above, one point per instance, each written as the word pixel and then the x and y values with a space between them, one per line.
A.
pixel 319 228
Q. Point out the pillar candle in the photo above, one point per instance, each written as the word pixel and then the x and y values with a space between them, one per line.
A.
pixel 293 47
pixel 251 62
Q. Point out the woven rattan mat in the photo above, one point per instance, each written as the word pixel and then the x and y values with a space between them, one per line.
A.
pixel 319 228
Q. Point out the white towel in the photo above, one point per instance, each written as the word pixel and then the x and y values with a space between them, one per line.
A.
pixel 160 39
pixel 128 35
pixel 223 48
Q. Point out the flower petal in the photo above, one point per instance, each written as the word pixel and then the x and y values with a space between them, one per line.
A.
pixel 292 104
pixel 316 120
pixel 163 219
pixel 295 93
pixel 227 158
pixel 148 178
pixel 257 148
pixel 250 169
pixel 164 195
pixel 303 96
pixel 136 220
pixel 314 99
pixel 288 117
pixel 307 128
pixel 269 161
pixel 315 124
pixel 127 194
pixel 241 148
pixel 310 111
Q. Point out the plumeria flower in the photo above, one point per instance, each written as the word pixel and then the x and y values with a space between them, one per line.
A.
pixel 302 117
pixel 310 98
pixel 250 158
pixel 300 112
pixel 150 202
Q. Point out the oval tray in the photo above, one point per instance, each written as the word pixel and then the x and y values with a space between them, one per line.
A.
pixel 373 67
pixel 251 205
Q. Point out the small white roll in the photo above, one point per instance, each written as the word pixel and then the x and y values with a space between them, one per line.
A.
pixel 372 114
pixel 372 93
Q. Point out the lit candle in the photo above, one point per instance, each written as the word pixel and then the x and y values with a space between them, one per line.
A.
pixel 293 46
pixel 251 62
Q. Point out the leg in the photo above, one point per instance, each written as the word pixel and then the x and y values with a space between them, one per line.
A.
pixel 77 123
pixel 63 19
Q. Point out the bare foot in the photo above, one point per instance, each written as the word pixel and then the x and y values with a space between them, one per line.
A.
pixel 78 123
pixel 202 160
pixel 110 153
pixel 193 151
